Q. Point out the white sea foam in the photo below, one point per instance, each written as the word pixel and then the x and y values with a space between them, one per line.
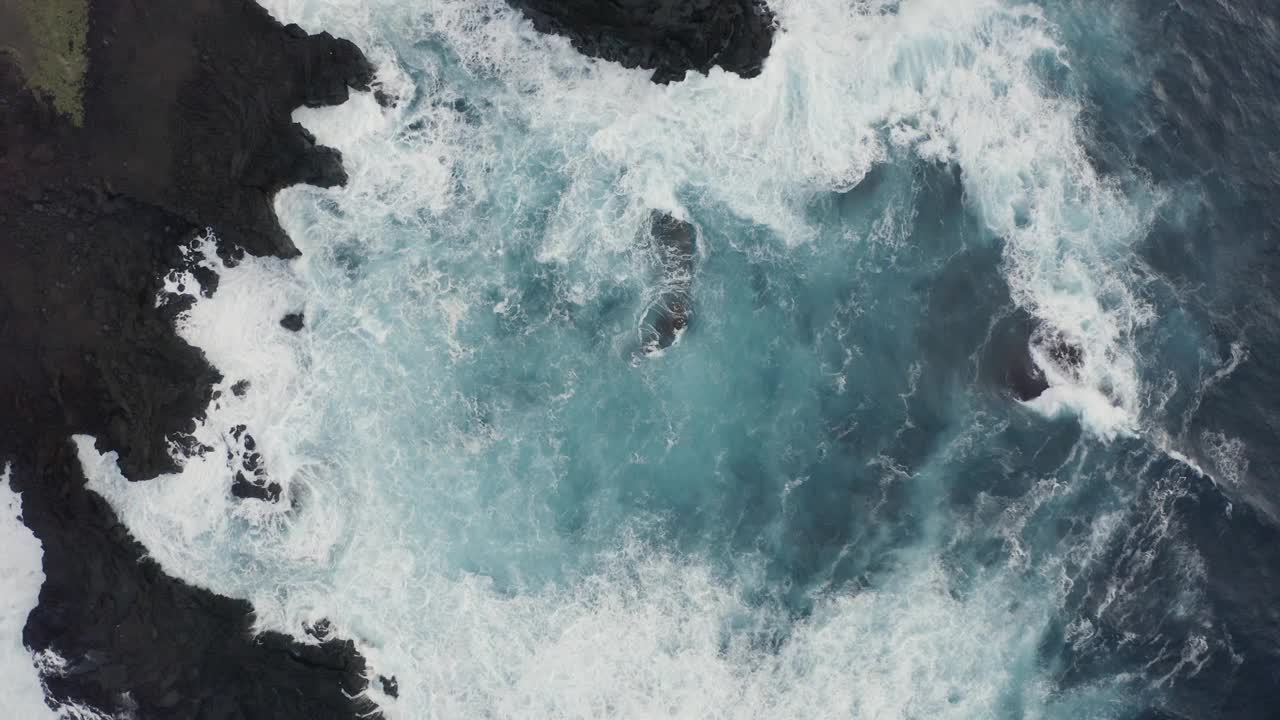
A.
pixel 49 663
pixel 241 335
pixel 21 575
pixel 846 85
pixel 1228 457
pixel 407 476
pixel 1096 411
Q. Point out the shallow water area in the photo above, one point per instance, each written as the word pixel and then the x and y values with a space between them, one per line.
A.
pixel 821 500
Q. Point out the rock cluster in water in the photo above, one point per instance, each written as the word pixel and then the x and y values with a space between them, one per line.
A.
pixel 669 37
pixel 675 245
pixel 185 123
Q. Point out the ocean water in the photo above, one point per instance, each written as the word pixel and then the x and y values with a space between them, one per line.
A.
pixel 823 500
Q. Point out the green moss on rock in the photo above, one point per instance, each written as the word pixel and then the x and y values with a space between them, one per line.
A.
pixel 51 49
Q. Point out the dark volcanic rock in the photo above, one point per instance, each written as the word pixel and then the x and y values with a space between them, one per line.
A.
pixel 675 243
pixel 669 37
pixel 1025 380
pixel 1062 351
pixel 390 686
pixel 1006 360
pixel 292 322
pixel 180 652
pixel 189 108
pixel 186 125
pixel 247 489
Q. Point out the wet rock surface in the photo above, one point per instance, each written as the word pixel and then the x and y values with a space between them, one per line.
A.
pixel 1006 361
pixel 186 125
pixel 670 37
pixel 1062 353
pixel 675 245
pixel 390 686
pixel 293 322
pixel 1010 356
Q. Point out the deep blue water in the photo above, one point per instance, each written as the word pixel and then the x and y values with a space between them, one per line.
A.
pixel 1205 126
pixel 824 500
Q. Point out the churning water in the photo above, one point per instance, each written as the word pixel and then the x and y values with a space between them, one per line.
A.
pixel 822 500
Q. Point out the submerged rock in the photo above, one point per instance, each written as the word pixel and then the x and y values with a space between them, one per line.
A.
pixel 1025 380
pixel 1066 354
pixel 1006 363
pixel 675 244
pixel 1010 356
pixel 669 37
pixel 1057 353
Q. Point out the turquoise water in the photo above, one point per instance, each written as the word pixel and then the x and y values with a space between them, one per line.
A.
pixel 822 500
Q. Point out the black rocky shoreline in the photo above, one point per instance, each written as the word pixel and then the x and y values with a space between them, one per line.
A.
pixel 187 125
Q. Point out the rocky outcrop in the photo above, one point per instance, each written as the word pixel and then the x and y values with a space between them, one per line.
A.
pixel 669 37
pixel 186 124
pixel 1015 350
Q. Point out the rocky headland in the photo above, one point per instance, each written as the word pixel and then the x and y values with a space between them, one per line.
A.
pixel 125 129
